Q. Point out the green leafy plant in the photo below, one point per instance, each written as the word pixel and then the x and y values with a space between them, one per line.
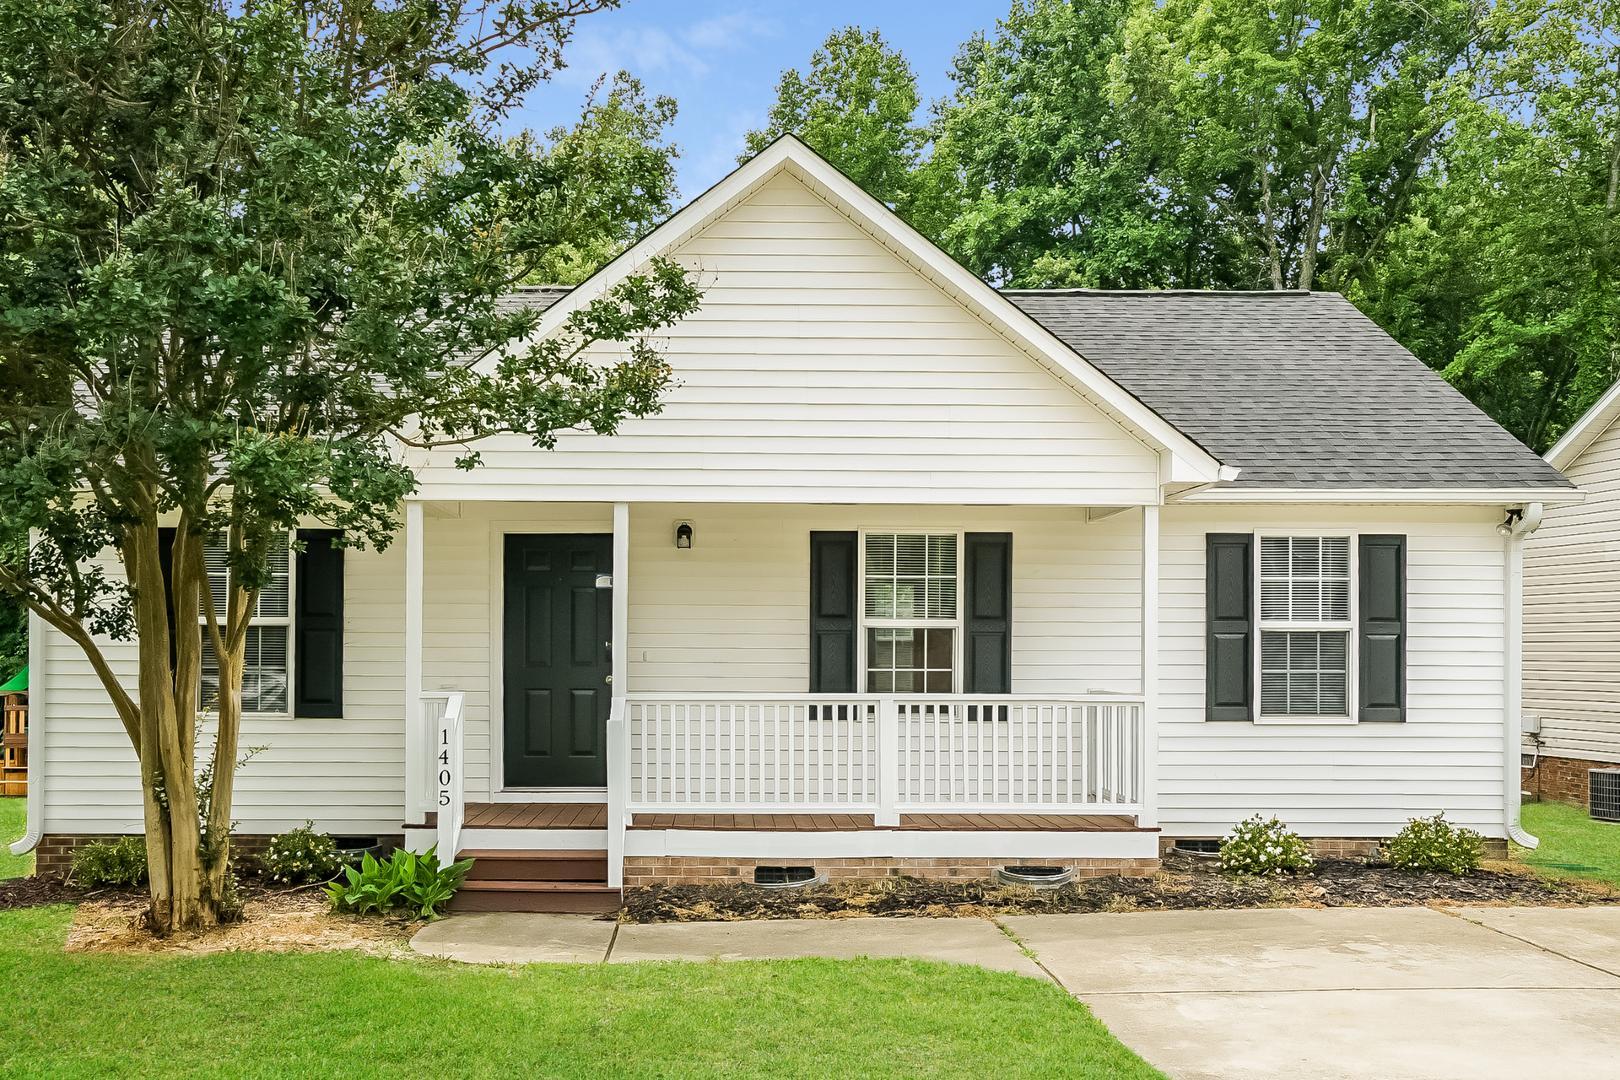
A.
pixel 1264 846
pixel 1434 844
pixel 301 855
pixel 111 862
pixel 404 879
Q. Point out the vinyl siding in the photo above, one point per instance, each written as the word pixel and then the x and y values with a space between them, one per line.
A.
pixel 1572 613
pixel 1351 779
pixel 821 367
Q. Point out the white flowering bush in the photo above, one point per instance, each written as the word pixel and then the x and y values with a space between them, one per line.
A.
pixel 1434 844
pixel 1261 846
pixel 301 855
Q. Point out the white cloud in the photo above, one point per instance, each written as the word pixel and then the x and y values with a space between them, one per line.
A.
pixel 612 42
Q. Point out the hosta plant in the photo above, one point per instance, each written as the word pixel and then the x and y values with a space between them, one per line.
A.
pixel 403 880
pixel 1264 846
pixel 301 855
pixel 1434 844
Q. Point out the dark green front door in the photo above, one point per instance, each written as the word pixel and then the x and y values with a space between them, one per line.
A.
pixel 557 659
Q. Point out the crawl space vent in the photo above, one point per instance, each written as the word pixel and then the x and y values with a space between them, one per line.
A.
pixel 786 877
pixel 1199 847
pixel 1035 877
pixel 1603 794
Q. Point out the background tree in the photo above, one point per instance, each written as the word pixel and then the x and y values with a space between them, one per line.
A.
pixel 233 283
pixel 855 107
pixel 1034 181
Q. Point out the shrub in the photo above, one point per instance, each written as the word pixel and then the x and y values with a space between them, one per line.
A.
pixel 1433 843
pixel 404 879
pixel 301 855
pixel 1259 846
pixel 111 862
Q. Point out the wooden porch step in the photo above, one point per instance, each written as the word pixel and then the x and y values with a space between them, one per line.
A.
pixel 576 897
pixel 495 864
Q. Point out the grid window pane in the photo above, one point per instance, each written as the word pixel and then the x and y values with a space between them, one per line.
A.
pixel 910 576
pixel 1304 672
pixel 264 671
pixel 910 659
pixel 1305 578
pixel 276 595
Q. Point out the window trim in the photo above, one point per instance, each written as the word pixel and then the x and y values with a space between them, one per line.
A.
pixel 1348 626
pixel 286 621
pixel 862 622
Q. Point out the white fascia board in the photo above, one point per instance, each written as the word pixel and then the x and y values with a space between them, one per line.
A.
pixel 1430 496
pixel 883 225
pixel 1586 430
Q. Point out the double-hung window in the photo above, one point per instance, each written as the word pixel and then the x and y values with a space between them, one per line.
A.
pixel 910 611
pixel 1305 625
pixel 267 665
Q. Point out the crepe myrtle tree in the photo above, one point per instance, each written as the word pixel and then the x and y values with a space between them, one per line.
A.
pixel 251 256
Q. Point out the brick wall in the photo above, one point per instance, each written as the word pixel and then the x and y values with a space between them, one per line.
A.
pixel 1560 779
pixel 641 870
pixel 53 857
pixel 1354 847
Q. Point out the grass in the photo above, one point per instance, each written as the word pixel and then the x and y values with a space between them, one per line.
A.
pixel 1572 844
pixel 12 821
pixel 260 1014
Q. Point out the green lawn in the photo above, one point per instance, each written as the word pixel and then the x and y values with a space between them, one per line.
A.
pixel 247 1014
pixel 11 827
pixel 1572 844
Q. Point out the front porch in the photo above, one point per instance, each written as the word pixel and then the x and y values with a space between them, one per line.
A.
pixel 698 783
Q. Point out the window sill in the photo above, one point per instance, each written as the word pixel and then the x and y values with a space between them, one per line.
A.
pixel 1305 721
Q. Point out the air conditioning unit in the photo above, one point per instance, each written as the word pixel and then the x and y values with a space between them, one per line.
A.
pixel 1603 794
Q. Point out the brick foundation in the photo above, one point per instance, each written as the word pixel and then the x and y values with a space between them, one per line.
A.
pixel 53 857
pixel 1348 847
pixel 641 870
pixel 1559 779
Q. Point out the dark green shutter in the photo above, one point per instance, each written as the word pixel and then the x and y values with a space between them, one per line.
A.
pixel 318 627
pixel 832 612
pixel 1382 629
pixel 987 652
pixel 1229 626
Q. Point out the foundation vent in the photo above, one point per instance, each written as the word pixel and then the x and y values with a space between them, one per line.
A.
pixel 1035 877
pixel 787 877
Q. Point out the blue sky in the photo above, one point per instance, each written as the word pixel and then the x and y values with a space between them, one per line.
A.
pixel 720 61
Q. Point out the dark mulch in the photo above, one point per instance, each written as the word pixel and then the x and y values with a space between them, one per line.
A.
pixel 1184 883
pixel 37 892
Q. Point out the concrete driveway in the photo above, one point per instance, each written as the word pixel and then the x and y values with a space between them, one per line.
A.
pixel 1386 993
pixel 1378 993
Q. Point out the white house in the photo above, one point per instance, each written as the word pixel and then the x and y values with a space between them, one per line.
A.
pixel 909 575
pixel 1572 616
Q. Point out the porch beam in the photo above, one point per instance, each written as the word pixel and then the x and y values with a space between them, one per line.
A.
pixel 1148 815
pixel 618 740
pixel 416 788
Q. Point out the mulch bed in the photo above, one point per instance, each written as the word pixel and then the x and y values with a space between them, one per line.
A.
pixel 1185 883
pixel 37 892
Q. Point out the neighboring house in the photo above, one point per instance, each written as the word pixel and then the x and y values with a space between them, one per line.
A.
pixel 908 576
pixel 1572 616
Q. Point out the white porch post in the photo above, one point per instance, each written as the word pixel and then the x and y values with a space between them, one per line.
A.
pixel 416 749
pixel 618 743
pixel 1148 817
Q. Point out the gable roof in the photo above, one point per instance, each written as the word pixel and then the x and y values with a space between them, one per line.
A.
pixel 1182 459
pixel 1300 391
pixel 1297 389
pixel 1585 431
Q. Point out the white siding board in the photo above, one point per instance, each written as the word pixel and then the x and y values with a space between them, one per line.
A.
pixel 1572 613
pixel 1344 780
pixel 821 367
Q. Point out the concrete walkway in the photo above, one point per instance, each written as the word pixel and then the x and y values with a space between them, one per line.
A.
pixel 1377 993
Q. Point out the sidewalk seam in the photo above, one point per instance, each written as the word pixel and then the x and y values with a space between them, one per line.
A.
pixel 1033 956
pixel 1533 944
pixel 612 941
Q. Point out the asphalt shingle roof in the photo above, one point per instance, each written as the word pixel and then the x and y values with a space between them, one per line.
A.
pixel 1296 389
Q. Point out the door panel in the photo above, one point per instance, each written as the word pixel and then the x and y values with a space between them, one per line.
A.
pixel 557 659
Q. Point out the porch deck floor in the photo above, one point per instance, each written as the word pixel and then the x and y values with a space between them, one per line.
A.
pixel 509 815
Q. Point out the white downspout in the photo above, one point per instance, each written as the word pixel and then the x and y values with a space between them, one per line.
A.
pixel 35 808
pixel 1516 529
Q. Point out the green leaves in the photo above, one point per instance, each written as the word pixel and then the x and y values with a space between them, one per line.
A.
pixel 405 879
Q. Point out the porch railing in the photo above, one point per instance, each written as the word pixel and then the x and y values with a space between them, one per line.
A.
pixel 882 754
pixel 443 713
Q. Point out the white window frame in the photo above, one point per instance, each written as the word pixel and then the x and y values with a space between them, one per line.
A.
pixel 863 623
pixel 1352 666
pixel 267 620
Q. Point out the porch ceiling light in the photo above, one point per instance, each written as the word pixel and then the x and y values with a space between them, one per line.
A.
pixel 683 535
